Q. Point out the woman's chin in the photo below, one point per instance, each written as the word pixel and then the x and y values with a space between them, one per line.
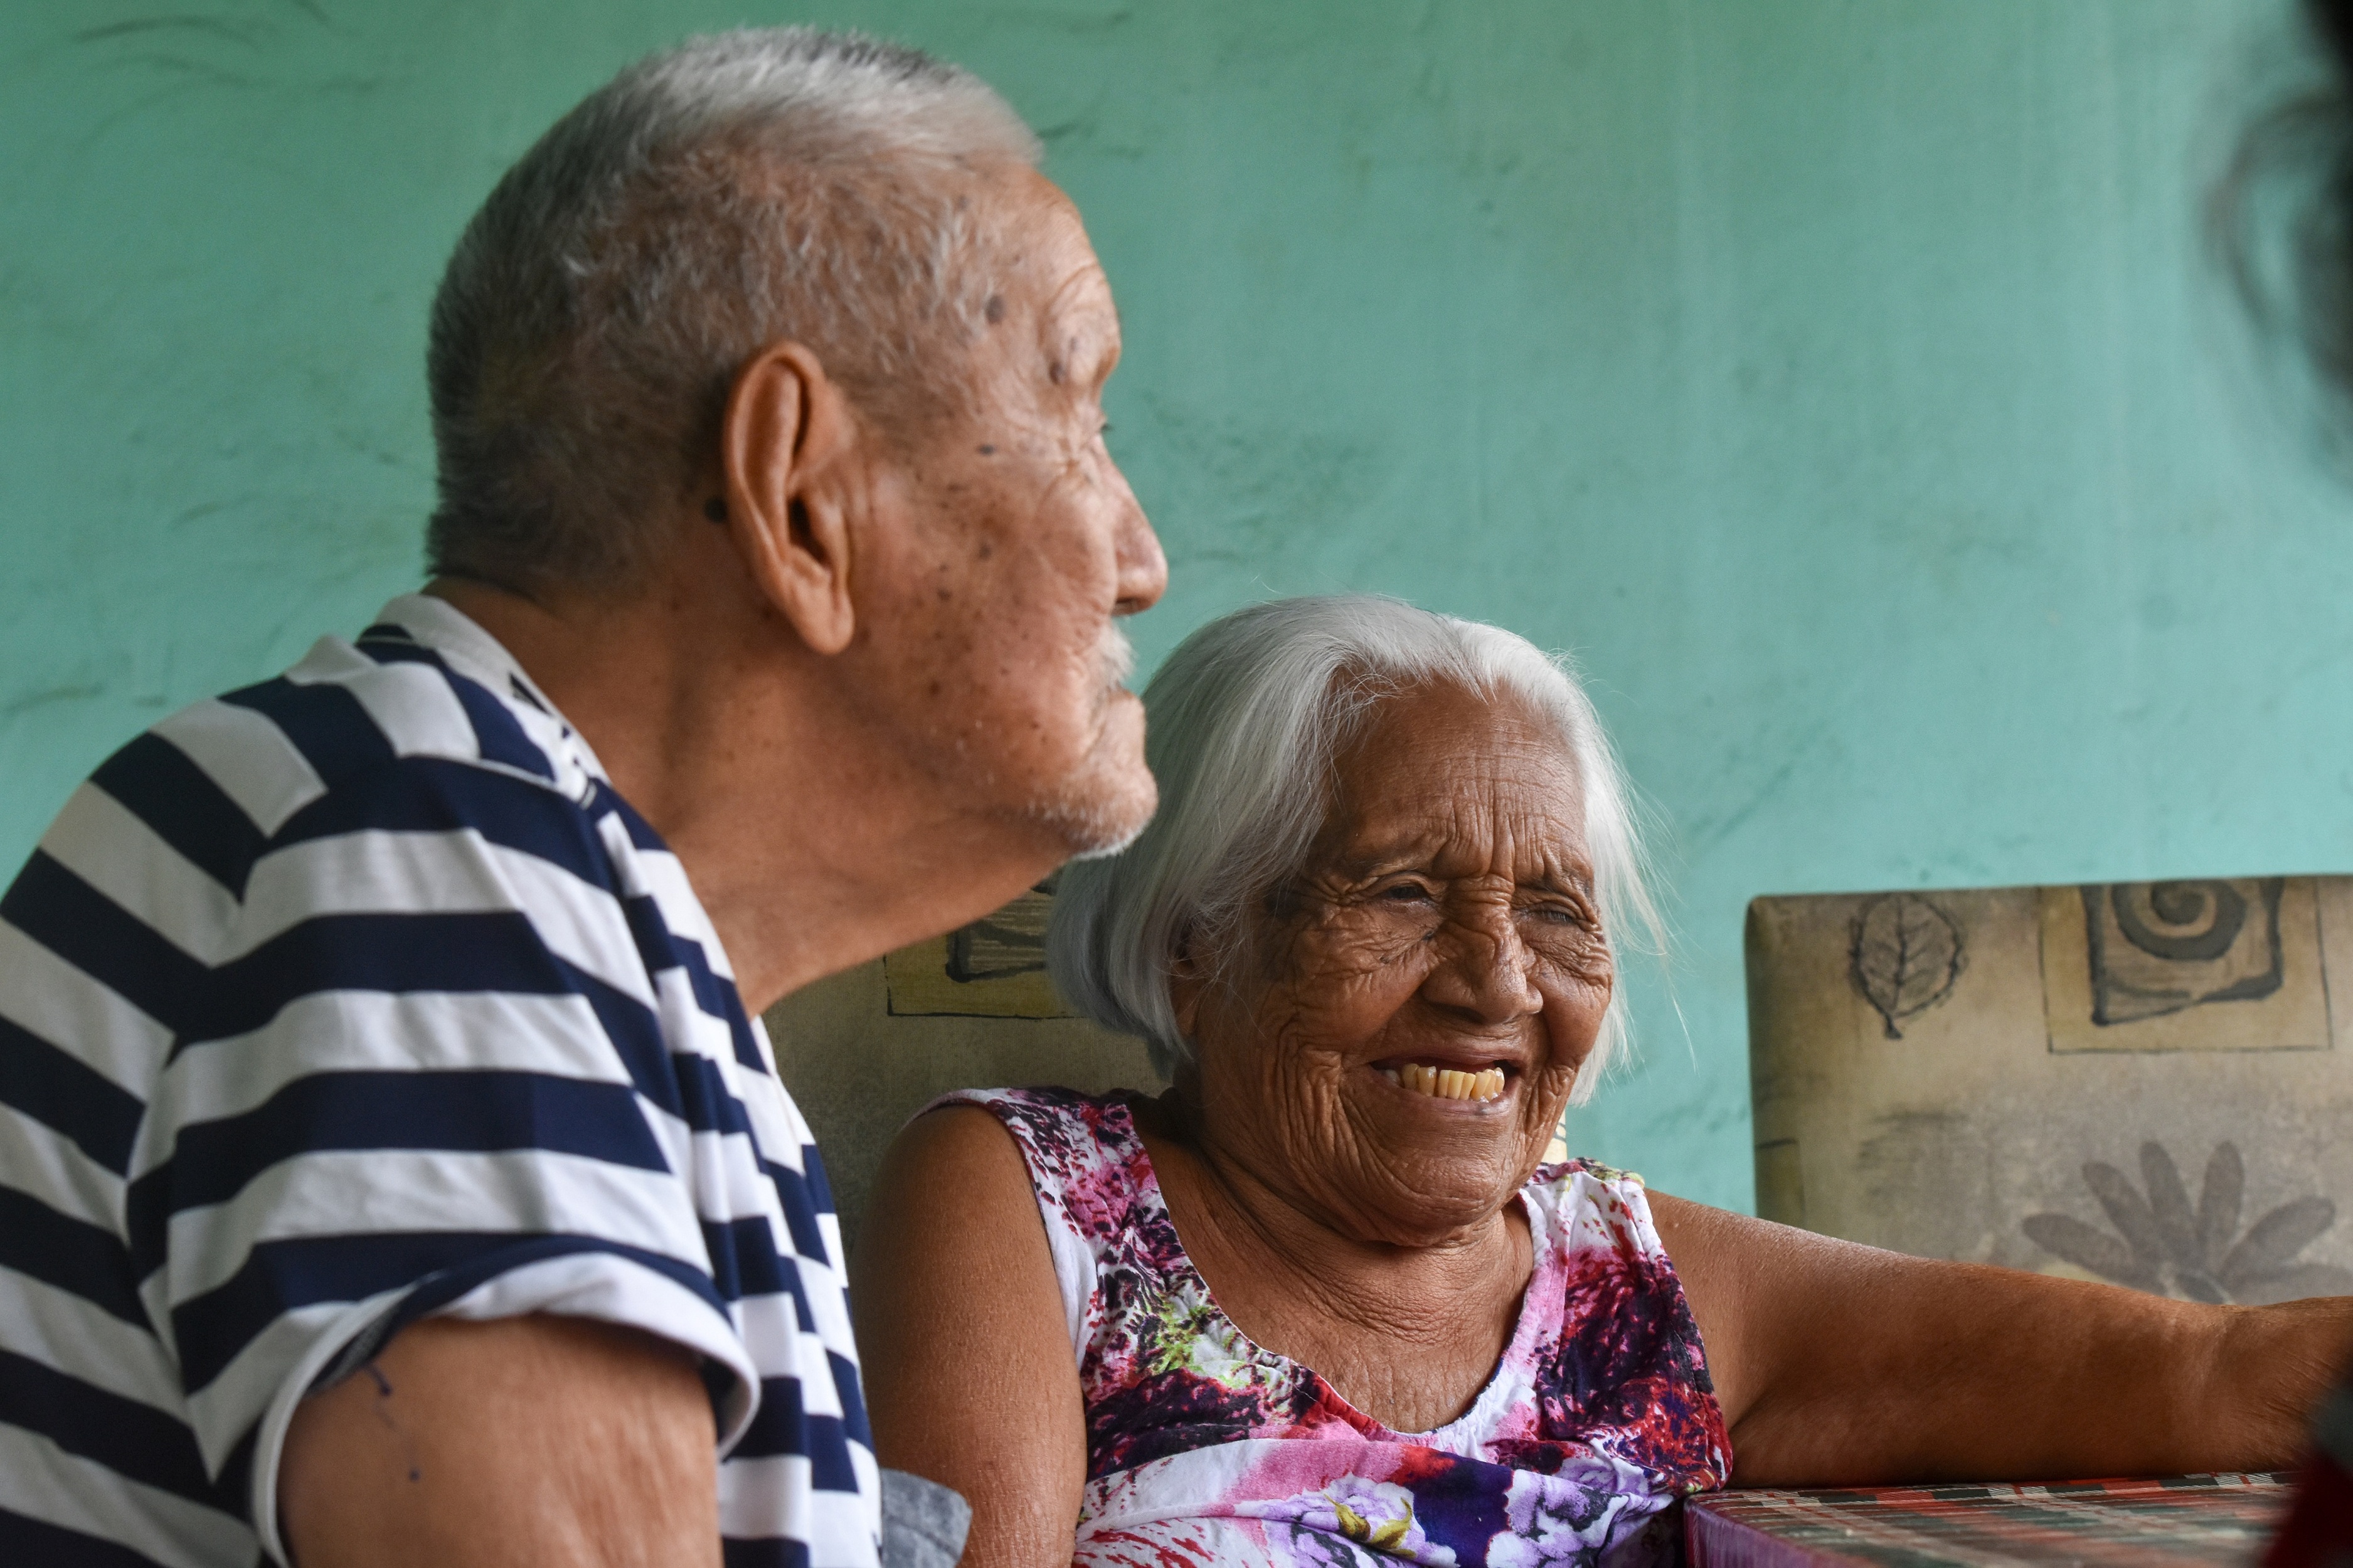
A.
pixel 1454 1162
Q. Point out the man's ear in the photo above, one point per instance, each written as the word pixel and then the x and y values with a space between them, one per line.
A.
pixel 786 442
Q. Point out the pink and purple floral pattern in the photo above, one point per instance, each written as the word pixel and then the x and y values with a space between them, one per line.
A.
pixel 1203 1447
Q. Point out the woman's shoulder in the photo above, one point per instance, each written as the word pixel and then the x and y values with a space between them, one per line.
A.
pixel 1085 1160
pixel 1579 1165
pixel 1058 1121
pixel 1039 1098
pixel 1565 1178
pixel 1584 1203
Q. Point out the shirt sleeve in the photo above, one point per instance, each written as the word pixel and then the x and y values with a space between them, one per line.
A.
pixel 425 1079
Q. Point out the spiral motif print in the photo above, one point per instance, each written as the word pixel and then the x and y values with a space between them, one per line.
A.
pixel 2157 948
pixel 2184 921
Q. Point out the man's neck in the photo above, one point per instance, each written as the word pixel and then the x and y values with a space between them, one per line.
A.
pixel 711 730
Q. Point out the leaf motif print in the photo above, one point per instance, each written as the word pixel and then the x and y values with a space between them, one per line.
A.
pixel 2168 1206
pixel 2177 1224
pixel 2086 1248
pixel 2218 1200
pixel 1189 1336
pixel 2128 1212
pixel 1905 955
pixel 2299 1283
pixel 2276 1238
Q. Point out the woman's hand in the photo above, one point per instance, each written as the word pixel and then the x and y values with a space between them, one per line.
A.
pixel 970 1378
pixel 1839 1364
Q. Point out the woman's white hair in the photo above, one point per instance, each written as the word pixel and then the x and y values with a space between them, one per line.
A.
pixel 1246 717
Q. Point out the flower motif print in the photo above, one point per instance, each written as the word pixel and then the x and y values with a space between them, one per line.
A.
pixel 1376 1515
pixel 2166 1242
pixel 1553 1520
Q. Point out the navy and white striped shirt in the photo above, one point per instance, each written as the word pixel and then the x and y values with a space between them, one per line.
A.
pixel 359 997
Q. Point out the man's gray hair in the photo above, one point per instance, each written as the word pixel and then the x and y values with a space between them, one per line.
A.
pixel 1246 717
pixel 745 188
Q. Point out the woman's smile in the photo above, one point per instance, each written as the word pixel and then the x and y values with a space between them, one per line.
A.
pixel 1482 1088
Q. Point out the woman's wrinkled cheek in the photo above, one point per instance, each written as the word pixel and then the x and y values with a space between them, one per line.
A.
pixel 1547 1101
pixel 1325 990
pixel 1324 996
pixel 1576 999
pixel 1359 971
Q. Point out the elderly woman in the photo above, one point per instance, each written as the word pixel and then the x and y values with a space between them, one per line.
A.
pixel 1322 1302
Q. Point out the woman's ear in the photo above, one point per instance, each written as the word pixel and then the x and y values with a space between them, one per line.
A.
pixel 787 441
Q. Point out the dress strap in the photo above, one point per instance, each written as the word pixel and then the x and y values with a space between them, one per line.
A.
pixel 1088 1168
pixel 1621 1370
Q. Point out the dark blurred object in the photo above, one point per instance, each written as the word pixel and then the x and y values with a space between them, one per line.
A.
pixel 2307 139
pixel 2318 1530
pixel 2332 21
pixel 2282 215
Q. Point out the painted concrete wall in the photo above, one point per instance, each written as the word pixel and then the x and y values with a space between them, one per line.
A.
pixel 1839 378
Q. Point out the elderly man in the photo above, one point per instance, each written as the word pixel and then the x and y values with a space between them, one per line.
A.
pixel 392 1168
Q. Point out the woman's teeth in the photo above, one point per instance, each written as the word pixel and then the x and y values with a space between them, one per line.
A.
pixel 1448 1083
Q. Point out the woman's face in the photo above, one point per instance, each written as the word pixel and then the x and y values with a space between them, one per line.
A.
pixel 1445 923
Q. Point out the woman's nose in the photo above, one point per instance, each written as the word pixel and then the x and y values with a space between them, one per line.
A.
pixel 1486 971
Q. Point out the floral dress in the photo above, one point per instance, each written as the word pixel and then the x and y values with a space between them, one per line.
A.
pixel 1203 1447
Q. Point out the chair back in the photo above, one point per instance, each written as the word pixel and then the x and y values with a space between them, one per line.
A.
pixel 2149 1083
pixel 865 1050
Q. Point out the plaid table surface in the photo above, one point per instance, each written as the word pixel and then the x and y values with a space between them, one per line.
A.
pixel 2201 1520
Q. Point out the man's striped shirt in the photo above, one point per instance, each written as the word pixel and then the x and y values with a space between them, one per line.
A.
pixel 360 996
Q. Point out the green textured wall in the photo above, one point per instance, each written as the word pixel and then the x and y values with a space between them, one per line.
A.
pixel 1839 379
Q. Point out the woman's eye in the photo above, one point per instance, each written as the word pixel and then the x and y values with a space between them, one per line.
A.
pixel 1407 893
pixel 1557 914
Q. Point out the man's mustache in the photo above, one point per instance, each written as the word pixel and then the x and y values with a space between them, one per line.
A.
pixel 1114 657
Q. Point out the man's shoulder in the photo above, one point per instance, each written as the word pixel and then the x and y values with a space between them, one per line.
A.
pixel 380 736
pixel 350 710
pixel 380 733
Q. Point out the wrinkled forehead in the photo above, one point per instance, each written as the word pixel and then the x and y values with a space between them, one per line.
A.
pixel 1461 776
pixel 1043 243
pixel 1050 312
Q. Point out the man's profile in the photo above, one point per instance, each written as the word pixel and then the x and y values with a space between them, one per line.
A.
pixel 392 1164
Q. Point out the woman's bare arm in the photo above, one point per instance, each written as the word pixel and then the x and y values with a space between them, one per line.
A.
pixel 970 1378
pixel 528 1440
pixel 1842 1365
